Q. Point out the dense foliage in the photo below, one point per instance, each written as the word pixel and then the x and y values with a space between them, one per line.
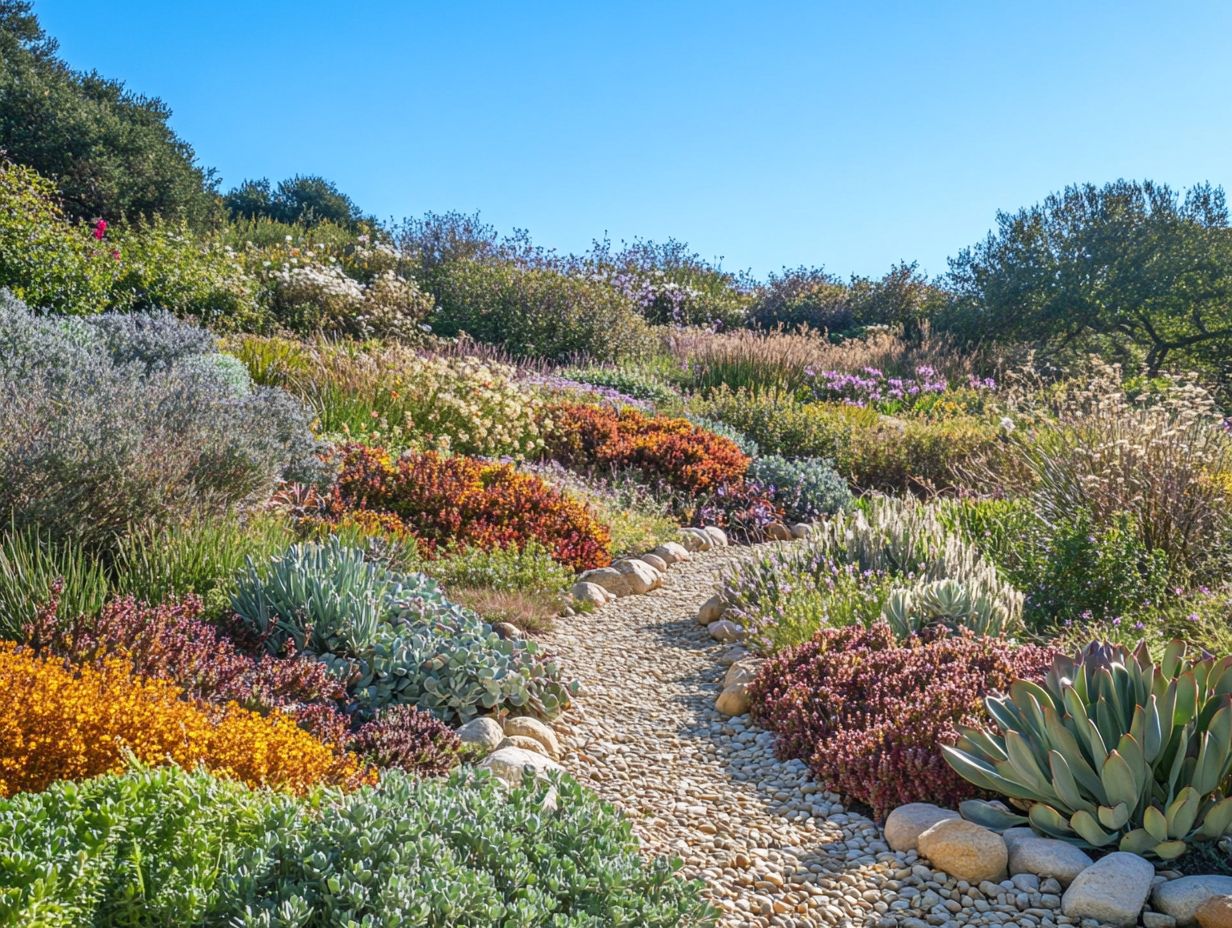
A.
pixel 168 847
pixel 869 712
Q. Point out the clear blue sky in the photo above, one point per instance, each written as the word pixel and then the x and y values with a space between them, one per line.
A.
pixel 843 134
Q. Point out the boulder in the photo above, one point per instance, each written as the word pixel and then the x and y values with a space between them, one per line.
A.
pixel 777 531
pixel 734 700
pixel 1152 919
pixel 508 631
pixel 1047 857
pixel 526 727
pixel 694 539
pixel 1216 912
pixel 1112 890
pixel 609 578
pixel 481 734
pixel 1182 898
pixel 1018 833
pixel 801 530
pixel 964 850
pixel 654 561
pixel 718 537
pixel 591 593
pixel 641 577
pixel 742 671
pixel 508 763
pixel 726 630
pixel 905 824
pixel 712 609
pixel 521 741
pixel 672 551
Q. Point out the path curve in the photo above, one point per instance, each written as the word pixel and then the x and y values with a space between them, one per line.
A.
pixel 772 847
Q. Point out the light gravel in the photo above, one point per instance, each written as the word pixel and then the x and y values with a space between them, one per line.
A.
pixel 771 846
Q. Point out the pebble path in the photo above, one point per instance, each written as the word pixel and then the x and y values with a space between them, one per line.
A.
pixel 772 847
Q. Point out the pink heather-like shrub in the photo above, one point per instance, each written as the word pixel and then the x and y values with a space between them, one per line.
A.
pixel 869 714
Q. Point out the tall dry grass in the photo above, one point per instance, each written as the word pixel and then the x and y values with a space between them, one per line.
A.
pixel 784 360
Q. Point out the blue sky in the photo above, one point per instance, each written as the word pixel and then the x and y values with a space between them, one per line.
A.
pixel 848 135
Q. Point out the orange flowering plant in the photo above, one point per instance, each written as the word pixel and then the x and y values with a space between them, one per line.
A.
pixel 76 722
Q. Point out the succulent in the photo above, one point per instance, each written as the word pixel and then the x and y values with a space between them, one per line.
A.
pixel 1112 749
pixel 948 602
pixel 394 637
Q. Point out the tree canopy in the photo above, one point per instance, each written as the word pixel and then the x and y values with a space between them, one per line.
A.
pixel 1132 266
pixel 303 199
pixel 109 151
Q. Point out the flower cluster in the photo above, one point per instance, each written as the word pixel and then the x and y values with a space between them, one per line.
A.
pixel 870 386
pixel 580 391
pixel 684 456
pixel 462 501
pixel 76 722
pixel 869 714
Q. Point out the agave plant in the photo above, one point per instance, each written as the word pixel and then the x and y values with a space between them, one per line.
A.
pixel 1113 749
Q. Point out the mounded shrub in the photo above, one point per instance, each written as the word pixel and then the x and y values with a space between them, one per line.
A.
pixel 536 312
pixel 169 847
pixel 110 428
pixel 869 714
pixel 74 723
pixel 685 457
pixel 443 501
pixel 805 488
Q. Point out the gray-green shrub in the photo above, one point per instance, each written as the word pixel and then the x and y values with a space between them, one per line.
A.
pixel 805 487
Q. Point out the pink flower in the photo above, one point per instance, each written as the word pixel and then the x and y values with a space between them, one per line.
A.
pixel 100 229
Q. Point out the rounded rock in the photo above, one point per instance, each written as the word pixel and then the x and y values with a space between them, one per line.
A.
pixel 1047 857
pixel 672 551
pixel 725 630
pixel 654 561
pixel 527 727
pixel 965 850
pixel 509 763
pixel 905 824
pixel 481 734
pixel 640 576
pixel 1112 890
pixel 1215 912
pixel 712 609
pixel 718 537
pixel 1182 898
pixel 591 593
pixel 609 578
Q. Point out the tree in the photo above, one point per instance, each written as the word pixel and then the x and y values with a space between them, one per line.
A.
pixel 110 152
pixel 1131 266
pixel 303 200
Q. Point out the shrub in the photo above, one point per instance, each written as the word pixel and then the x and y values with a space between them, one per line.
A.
pixel 172 642
pixel 633 382
pixel 1072 571
pixel 781 424
pixel 901 455
pixel 870 714
pixel 44 259
pixel 639 517
pixel 457 500
pixel 405 738
pixel 394 639
pixel 200 557
pixel 743 509
pixel 565 389
pixel 175 848
pixel 91 448
pixel 536 312
pixel 920 574
pixel 803 297
pixel 78 723
pixel 1110 749
pixel 402 398
pixel 805 488
pixel 682 455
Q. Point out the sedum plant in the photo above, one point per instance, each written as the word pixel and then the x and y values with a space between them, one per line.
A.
pixel 1111 749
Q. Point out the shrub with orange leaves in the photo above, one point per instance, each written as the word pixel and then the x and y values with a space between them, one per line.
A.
pixel 71 723
pixel 467 502
pixel 684 456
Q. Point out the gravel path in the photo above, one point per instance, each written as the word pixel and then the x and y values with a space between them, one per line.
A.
pixel 771 845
